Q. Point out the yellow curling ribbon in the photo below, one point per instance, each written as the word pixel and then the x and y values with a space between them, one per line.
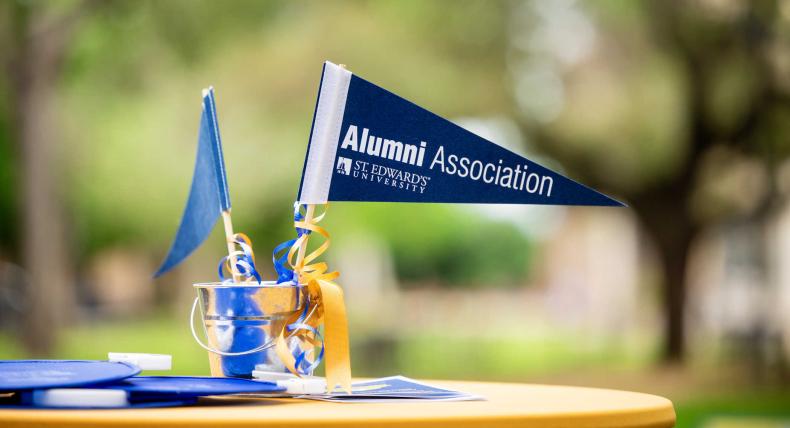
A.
pixel 328 308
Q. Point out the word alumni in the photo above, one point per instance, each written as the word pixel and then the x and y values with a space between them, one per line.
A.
pixel 383 147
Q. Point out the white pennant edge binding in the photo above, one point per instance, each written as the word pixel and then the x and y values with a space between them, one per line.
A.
pixel 326 133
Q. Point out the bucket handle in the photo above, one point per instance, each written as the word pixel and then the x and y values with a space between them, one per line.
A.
pixel 208 348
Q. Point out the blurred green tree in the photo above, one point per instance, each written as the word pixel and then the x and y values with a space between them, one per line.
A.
pixel 663 152
pixel 37 38
pixel 92 63
pixel 37 44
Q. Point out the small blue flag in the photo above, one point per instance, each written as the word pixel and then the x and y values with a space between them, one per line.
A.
pixel 208 197
pixel 368 144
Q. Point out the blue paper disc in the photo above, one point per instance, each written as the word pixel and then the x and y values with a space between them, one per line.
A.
pixel 157 387
pixel 22 375
pixel 24 402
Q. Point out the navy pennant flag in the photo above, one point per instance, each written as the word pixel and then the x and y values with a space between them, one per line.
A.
pixel 368 144
pixel 208 196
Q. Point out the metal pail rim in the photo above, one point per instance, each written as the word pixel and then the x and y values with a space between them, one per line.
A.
pixel 263 284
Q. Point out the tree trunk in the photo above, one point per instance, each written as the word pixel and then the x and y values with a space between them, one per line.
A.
pixel 35 68
pixel 674 258
pixel 665 215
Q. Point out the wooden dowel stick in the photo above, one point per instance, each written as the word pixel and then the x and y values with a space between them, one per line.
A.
pixel 231 246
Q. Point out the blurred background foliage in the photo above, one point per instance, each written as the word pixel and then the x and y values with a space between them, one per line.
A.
pixel 679 108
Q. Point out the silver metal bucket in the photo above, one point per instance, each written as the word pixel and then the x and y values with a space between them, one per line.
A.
pixel 242 322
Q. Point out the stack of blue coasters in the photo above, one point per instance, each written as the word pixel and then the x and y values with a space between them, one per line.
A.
pixel 105 384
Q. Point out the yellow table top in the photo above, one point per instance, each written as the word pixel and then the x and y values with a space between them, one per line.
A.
pixel 507 405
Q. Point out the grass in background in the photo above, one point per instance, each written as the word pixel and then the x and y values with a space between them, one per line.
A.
pixel 516 359
pixel 738 409
pixel 430 356
pixel 154 335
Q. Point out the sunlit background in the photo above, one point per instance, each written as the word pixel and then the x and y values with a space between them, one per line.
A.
pixel 679 108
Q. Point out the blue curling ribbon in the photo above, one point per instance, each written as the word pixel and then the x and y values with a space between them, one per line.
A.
pixel 285 273
pixel 301 363
pixel 245 261
pixel 299 217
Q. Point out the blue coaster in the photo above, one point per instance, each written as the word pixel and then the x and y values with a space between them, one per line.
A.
pixel 23 375
pixel 179 387
pixel 15 404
